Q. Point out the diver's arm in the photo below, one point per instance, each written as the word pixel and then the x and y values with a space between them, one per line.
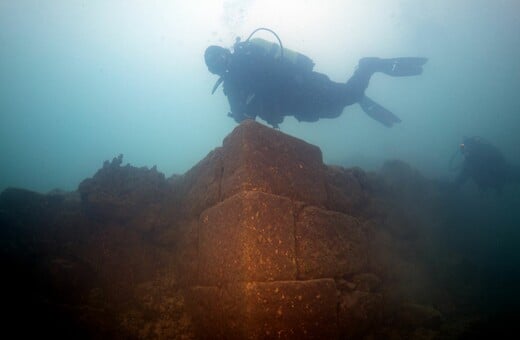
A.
pixel 236 106
pixel 247 69
pixel 237 99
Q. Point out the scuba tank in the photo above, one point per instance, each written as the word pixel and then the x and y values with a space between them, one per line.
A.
pixel 301 61
pixel 278 52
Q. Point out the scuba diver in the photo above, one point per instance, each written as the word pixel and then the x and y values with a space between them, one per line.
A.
pixel 266 80
pixel 485 164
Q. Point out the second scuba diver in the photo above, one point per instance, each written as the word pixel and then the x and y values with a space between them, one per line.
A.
pixel 485 165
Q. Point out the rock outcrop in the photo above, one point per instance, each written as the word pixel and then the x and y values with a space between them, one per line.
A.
pixel 260 239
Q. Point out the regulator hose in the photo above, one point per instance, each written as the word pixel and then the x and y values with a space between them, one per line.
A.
pixel 271 31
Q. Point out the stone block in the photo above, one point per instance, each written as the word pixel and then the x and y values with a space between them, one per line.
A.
pixel 199 188
pixel 185 247
pixel 267 310
pixel 281 310
pixel 329 244
pixel 248 237
pixel 258 158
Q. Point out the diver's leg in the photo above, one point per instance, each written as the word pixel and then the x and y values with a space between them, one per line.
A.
pixel 354 89
pixel 355 93
pixel 378 112
pixel 315 98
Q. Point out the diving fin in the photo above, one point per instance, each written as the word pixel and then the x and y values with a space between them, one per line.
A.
pixel 377 112
pixel 403 67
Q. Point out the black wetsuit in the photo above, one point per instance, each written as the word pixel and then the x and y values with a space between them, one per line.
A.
pixel 259 85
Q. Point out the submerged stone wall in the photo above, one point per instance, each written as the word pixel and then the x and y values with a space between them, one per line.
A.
pixel 259 240
pixel 275 248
